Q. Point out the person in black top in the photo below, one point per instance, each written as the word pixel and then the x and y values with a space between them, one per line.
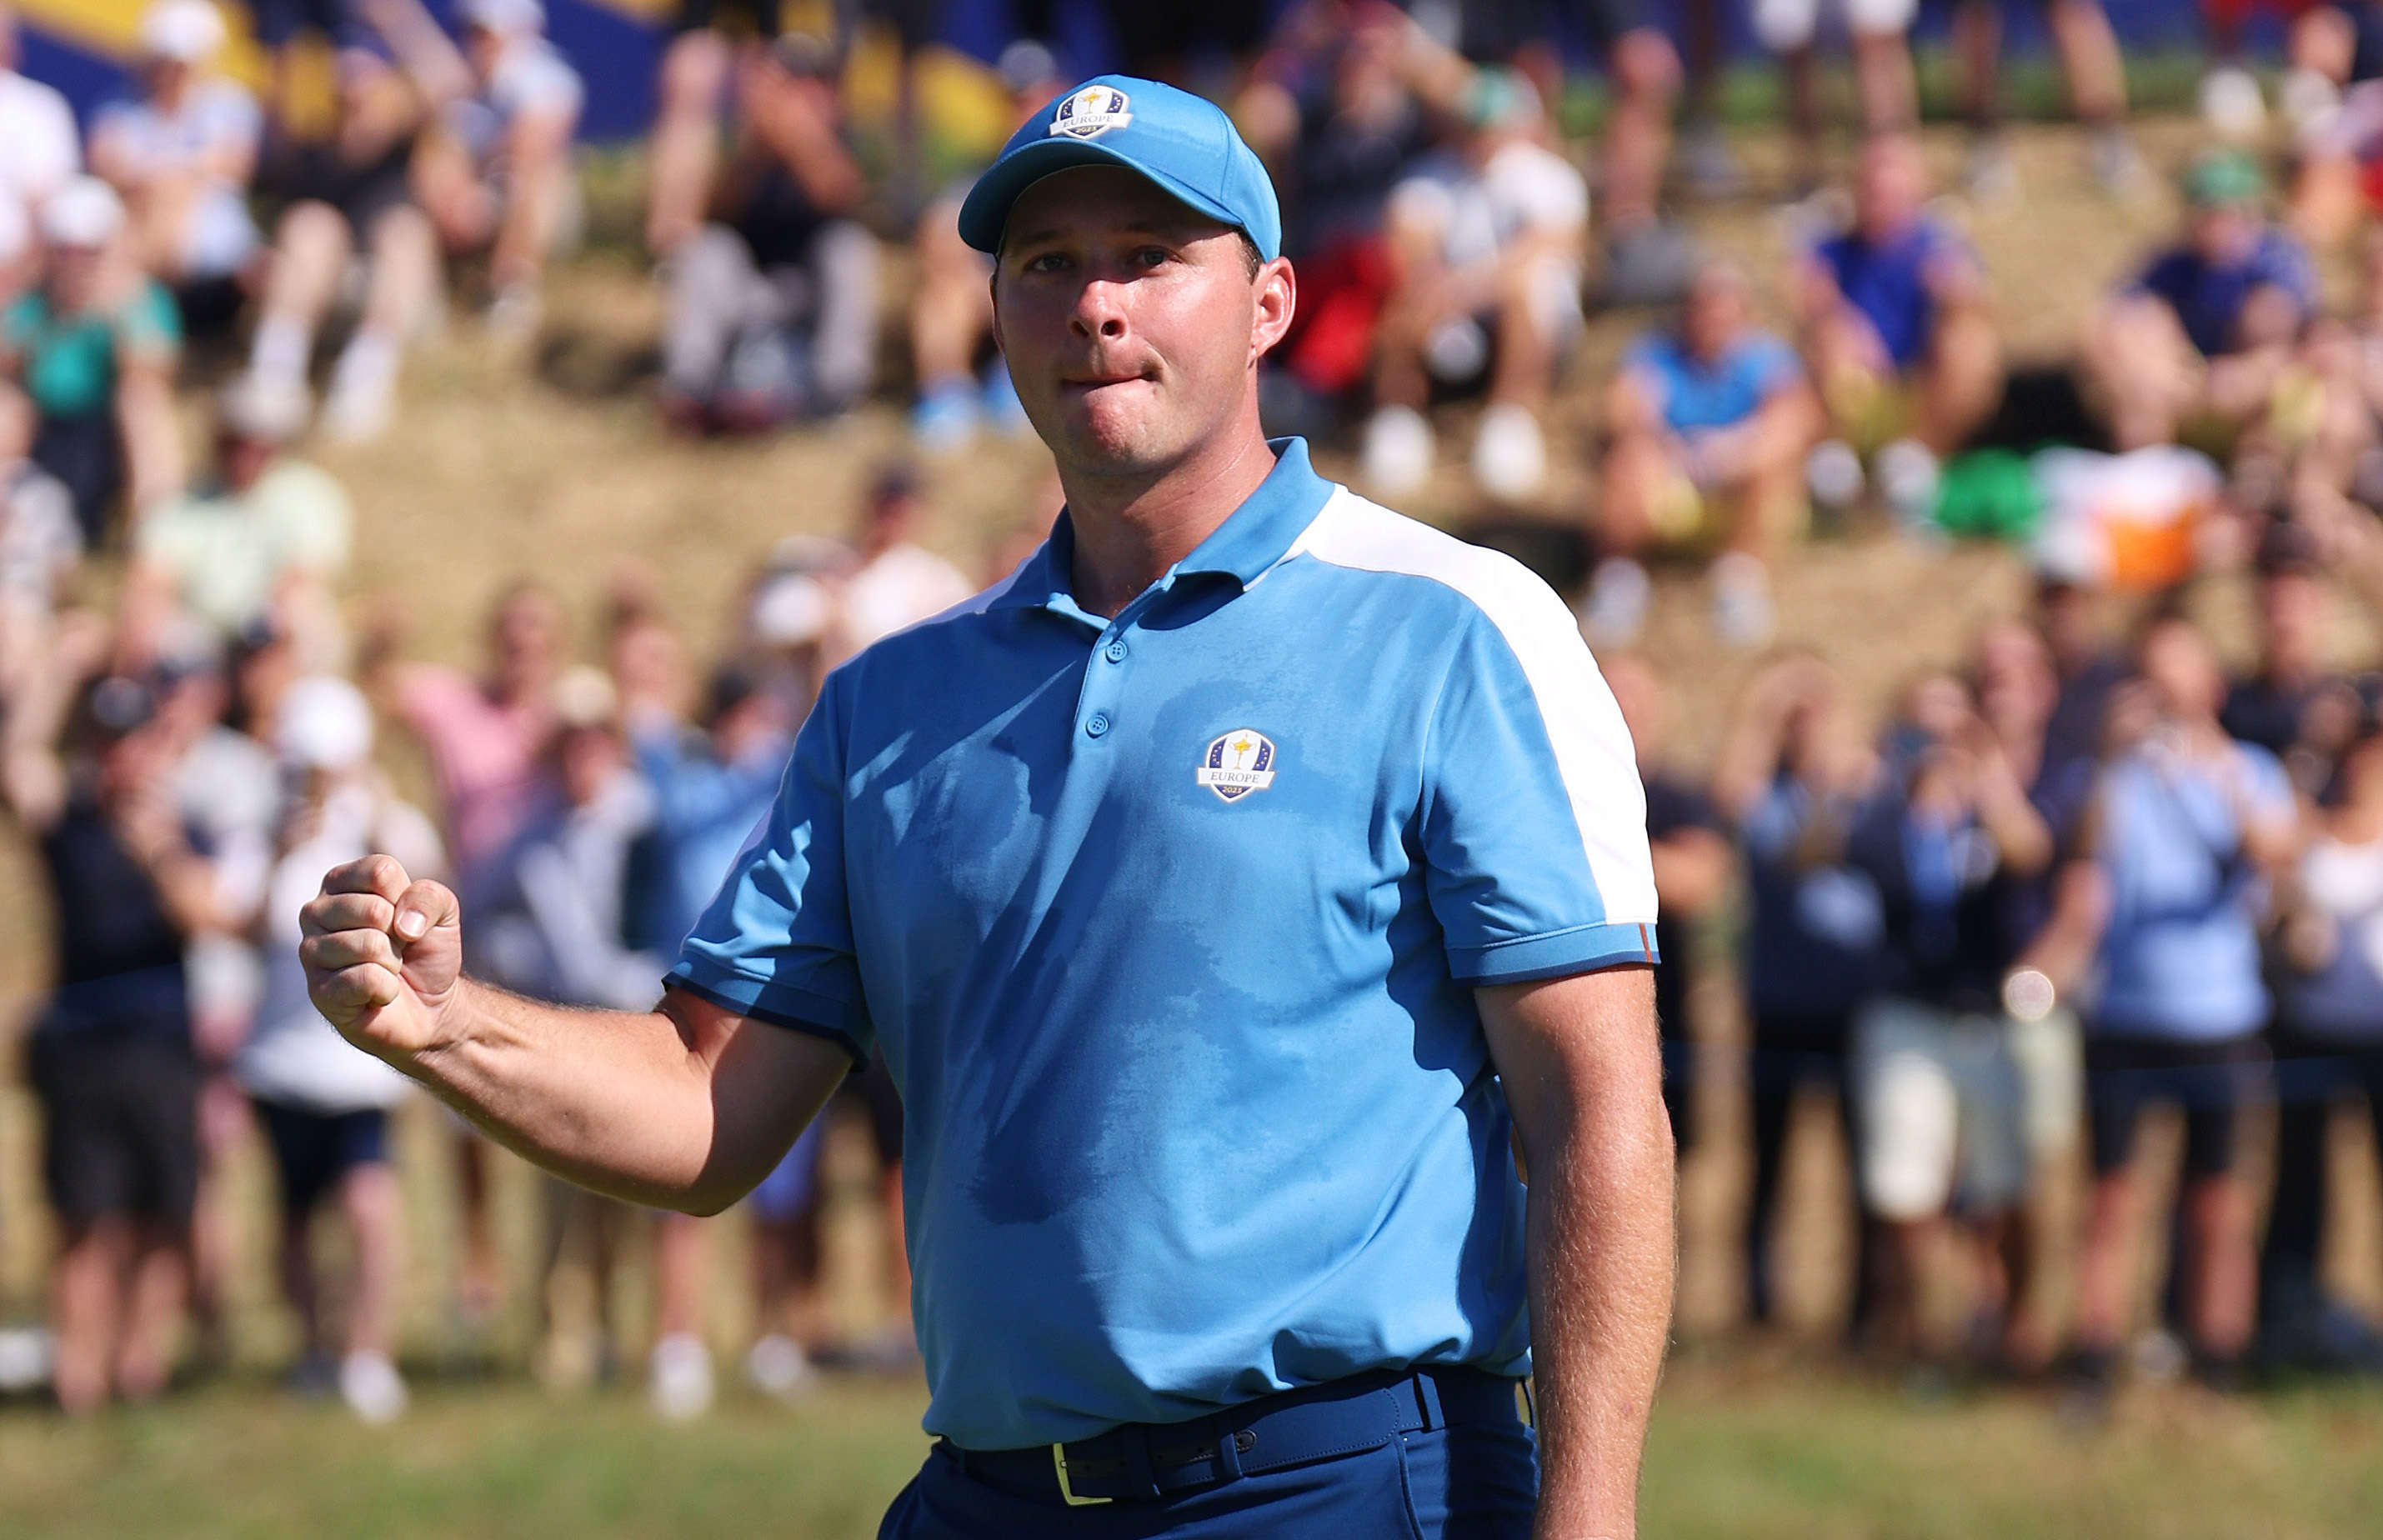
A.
pixel 773 305
pixel 1793 779
pixel 2294 706
pixel 1693 866
pixel 110 1055
pixel 1942 1097
pixel 341 197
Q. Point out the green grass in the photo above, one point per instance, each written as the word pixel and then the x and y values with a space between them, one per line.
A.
pixel 1786 1453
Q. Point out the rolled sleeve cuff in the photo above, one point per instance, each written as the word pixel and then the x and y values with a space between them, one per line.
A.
pixel 799 1010
pixel 1579 949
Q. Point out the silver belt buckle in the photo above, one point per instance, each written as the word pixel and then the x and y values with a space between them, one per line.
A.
pixel 1059 1462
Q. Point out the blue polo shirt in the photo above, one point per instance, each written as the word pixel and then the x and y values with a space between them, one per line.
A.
pixel 1892 282
pixel 2208 298
pixel 1169 926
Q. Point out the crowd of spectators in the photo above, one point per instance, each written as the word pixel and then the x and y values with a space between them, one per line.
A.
pixel 2075 877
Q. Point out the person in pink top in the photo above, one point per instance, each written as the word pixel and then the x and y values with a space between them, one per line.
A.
pixel 486 738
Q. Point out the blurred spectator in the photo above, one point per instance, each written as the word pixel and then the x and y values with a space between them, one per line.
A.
pixel 485 740
pixel 1710 421
pixel 2186 826
pixel 345 199
pixel 40 150
pixel 182 152
pixel 2096 74
pixel 41 546
pixel 558 928
pixel 110 1056
pixel 2294 705
pixel 1882 74
pixel 1332 110
pixel 951 311
pixel 499 181
pixel 1488 244
pixel 323 1105
pixel 259 541
pixel 2087 667
pixel 1694 865
pixel 225 789
pixel 898 582
pixel 773 306
pixel 1644 263
pixel 703 62
pixel 709 789
pixel 93 345
pixel 2201 330
pixel 1897 329
pixel 1794 778
pixel 2329 1044
pixel 1936 1073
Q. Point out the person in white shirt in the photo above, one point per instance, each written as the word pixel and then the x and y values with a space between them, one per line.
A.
pixel 40 149
pixel 325 1106
pixel 897 583
pixel 183 151
pixel 1488 246
pixel 496 179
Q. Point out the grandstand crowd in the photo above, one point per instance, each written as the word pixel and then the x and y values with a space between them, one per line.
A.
pixel 2084 873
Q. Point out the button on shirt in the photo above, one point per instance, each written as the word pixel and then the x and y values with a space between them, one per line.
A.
pixel 1172 954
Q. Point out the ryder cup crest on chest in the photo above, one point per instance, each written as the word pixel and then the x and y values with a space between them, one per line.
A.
pixel 1238 763
pixel 1092 112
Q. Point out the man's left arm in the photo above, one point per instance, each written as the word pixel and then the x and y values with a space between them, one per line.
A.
pixel 1583 1073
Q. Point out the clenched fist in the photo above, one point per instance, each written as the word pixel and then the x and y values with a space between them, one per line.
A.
pixel 383 955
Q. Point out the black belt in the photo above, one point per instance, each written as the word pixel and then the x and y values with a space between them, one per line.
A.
pixel 1145 1461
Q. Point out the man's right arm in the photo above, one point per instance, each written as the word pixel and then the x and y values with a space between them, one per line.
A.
pixel 686 1106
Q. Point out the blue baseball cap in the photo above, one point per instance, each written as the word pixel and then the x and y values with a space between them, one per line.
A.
pixel 1183 143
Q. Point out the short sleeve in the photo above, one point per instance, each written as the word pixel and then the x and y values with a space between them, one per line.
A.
pixel 1767 365
pixel 150 327
pixel 1534 826
pixel 777 943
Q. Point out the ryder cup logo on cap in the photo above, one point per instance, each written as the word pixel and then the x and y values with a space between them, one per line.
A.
pixel 1091 112
pixel 1237 764
pixel 1184 144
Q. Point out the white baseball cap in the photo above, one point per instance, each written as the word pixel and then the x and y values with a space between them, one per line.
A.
pixel 186 31
pixel 789 609
pixel 506 16
pixel 84 213
pixel 255 407
pixel 323 723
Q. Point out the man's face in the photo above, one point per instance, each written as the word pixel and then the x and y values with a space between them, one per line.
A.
pixel 1130 322
pixel 526 632
pixel 2291 618
pixel 1888 187
pixel 242 460
pixel 1715 313
pixel 2183 675
pixel 2225 233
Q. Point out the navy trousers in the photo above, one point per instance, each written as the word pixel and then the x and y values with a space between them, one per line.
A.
pixel 1447 1484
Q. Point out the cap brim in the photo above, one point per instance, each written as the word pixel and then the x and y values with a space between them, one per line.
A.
pixel 986 210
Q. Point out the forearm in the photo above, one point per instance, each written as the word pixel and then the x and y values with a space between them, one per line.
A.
pixel 1601 1263
pixel 612 1100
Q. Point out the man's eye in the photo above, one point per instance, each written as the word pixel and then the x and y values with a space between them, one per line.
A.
pixel 1152 256
pixel 1047 262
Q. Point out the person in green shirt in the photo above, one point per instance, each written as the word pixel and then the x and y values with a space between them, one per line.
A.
pixel 93 346
pixel 255 540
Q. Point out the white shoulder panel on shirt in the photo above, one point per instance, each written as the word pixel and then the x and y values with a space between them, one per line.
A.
pixel 1592 747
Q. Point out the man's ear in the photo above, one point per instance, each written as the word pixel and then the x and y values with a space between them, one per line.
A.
pixel 1278 301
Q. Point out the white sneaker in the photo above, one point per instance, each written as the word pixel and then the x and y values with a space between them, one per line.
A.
pixel 371 1386
pixel 1397 451
pixel 2231 105
pixel 1614 611
pixel 681 1386
pixel 1833 475
pixel 777 1366
pixel 1510 453
pixel 1742 615
pixel 363 397
pixel 1907 474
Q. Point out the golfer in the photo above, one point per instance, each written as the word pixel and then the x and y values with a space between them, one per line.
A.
pixel 1225 889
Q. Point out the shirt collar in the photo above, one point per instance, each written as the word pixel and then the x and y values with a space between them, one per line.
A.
pixel 1253 537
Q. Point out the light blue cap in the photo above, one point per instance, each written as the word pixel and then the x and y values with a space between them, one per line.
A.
pixel 1183 143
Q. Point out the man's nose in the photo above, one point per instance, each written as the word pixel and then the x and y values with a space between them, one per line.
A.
pixel 1100 311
